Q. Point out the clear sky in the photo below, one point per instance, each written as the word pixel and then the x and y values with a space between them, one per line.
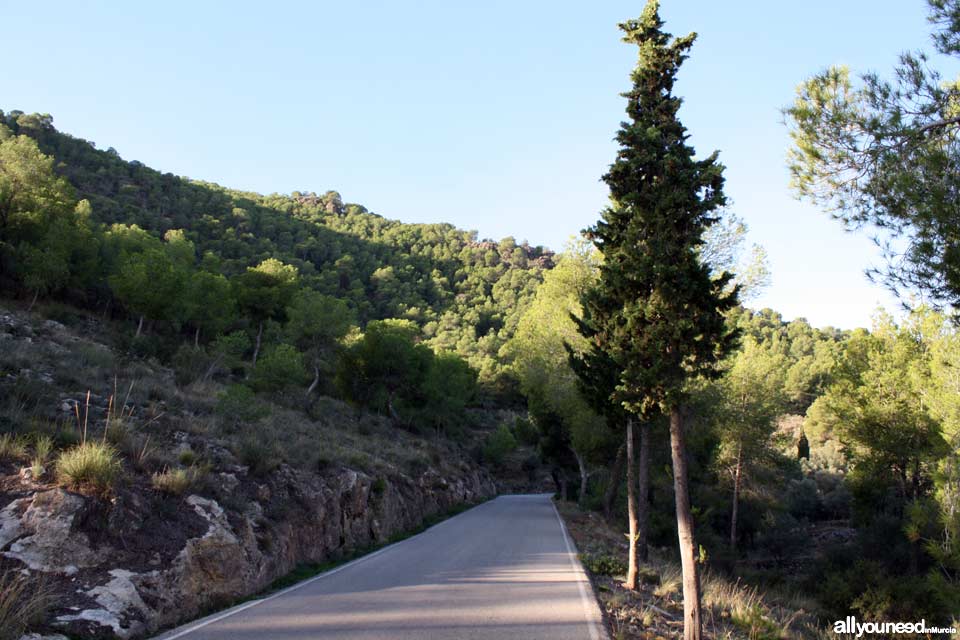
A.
pixel 496 116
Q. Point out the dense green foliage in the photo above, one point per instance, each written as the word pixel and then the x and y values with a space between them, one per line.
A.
pixel 464 295
pixel 656 312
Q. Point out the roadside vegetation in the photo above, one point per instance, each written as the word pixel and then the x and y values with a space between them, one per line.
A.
pixel 155 327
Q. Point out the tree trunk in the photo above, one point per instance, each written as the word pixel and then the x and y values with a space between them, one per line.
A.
pixel 213 367
pixel 737 471
pixel 614 487
pixel 643 492
pixel 391 410
pixel 196 338
pixel 632 574
pixel 692 627
pixel 316 380
pixel 584 477
pixel 139 327
pixel 256 346
pixel 36 294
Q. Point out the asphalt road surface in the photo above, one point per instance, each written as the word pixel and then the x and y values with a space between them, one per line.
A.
pixel 505 569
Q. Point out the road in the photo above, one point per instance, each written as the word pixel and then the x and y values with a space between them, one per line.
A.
pixel 505 569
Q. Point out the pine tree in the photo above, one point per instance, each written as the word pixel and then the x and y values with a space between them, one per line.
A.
pixel 657 311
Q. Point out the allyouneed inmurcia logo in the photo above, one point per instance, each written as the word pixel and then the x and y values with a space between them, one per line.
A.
pixel 850 626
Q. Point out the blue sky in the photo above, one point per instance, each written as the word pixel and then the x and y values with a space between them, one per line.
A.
pixel 495 116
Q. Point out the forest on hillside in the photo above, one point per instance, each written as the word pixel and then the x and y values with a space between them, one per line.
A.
pixel 794 458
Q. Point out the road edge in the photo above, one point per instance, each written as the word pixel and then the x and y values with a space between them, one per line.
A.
pixel 592 611
pixel 195 625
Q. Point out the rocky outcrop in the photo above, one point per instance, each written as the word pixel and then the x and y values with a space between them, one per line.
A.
pixel 131 565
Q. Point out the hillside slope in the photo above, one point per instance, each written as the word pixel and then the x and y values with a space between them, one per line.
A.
pixel 466 295
pixel 210 501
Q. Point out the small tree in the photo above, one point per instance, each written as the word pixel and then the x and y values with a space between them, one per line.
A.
pixel 450 383
pixel 386 365
pixel 316 323
pixel 539 356
pixel 752 400
pixel 150 285
pixel 263 293
pixel 209 304
pixel 280 367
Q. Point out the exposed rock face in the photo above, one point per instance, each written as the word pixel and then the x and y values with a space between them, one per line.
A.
pixel 117 574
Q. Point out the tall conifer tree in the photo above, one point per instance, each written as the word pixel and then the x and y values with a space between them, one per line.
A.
pixel 656 311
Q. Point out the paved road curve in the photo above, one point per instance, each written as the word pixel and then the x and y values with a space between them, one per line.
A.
pixel 505 569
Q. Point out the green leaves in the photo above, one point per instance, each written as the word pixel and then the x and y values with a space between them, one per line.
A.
pixel 657 312
pixel 882 155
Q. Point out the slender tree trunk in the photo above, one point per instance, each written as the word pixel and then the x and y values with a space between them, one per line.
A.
pixel 196 338
pixel 256 346
pixel 737 473
pixel 391 410
pixel 139 328
pixel 692 627
pixel 36 294
pixel 316 380
pixel 584 477
pixel 614 487
pixel 643 492
pixel 213 367
pixel 632 574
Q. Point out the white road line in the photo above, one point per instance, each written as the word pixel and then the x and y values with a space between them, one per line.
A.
pixel 589 602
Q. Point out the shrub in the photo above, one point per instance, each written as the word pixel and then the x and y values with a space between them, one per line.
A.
pixel 525 432
pixel 261 457
pixel 499 443
pixel 279 368
pixel 175 481
pixel 189 364
pixel 238 404
pixel 604 564
pixel 12 447
pixel 93 463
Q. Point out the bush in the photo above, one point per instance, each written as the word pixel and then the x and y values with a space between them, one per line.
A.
pixel 261 457
pixel 12 447
pixel 499 443
pixel 189 364
pixel 238 404
pixel 802 499
pixel 279 368
pixel 92 463
pixel 603 564
pixel 525 432
pixel 175 481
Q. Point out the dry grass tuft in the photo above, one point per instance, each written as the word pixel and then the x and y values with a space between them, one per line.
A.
pixel 12 447
pixel 22 603
pixel 90 463
pixel 670 580
pixel 176 481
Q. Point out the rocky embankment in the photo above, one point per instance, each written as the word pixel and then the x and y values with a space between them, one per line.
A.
pixel 133 563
